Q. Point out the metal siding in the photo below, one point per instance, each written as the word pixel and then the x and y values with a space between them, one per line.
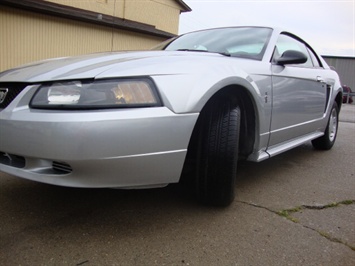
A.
pixel 345 68
pixel 27 37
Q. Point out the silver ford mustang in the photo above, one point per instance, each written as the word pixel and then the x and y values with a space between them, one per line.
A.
pixel 189 109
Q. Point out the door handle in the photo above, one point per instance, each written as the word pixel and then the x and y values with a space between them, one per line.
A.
pixel 320 79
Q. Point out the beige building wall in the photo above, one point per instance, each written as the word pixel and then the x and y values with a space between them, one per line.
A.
pixel 108 7
pixel 27 36
pixel 163 14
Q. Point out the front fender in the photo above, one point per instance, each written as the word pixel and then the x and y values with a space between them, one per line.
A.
pixel 188 93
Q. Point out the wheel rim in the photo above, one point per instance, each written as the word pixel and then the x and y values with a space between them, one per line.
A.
pixel 333 122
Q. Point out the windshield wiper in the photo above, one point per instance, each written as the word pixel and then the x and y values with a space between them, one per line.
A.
pixel 192 50
pixel 205 51
pixel 223 53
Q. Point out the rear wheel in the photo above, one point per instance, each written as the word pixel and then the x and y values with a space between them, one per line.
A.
pixel 217 152
pixel 327 141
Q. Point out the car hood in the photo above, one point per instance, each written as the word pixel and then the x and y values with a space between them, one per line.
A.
pixel 114 64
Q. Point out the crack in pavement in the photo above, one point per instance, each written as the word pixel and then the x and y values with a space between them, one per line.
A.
pixel 331 205
pixel 287 214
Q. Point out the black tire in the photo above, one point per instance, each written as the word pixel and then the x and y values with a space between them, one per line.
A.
pixel 217 153
pixel 327 141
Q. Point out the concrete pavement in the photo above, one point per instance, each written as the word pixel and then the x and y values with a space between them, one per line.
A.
pixel 347 113
pixel 294 209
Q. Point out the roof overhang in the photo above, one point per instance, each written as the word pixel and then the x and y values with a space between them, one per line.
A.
pixel 185 7
pixel 63 11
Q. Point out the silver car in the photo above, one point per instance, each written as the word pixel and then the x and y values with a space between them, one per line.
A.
pixel 189 109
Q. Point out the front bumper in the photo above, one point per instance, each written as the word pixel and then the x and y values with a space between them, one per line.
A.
pixel 97 148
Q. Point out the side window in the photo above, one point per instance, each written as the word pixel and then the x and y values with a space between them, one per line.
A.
pixel 286 42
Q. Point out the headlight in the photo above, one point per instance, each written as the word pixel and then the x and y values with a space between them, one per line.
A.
pixel 113 93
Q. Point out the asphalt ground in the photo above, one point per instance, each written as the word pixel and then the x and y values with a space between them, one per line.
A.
pixel 297 208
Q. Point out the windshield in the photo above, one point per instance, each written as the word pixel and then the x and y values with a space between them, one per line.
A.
pixel 243 42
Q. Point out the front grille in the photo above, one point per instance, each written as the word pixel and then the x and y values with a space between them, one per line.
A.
pixel 14 89
pixel 61 168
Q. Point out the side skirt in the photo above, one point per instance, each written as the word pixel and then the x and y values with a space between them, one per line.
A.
pixel 284 146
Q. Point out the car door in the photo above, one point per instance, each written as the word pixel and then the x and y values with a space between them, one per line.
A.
pixel 299 93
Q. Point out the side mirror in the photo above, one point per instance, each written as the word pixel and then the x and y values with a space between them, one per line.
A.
pixel 291 57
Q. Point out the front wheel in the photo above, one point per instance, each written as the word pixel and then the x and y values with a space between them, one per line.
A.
pixel 217 153
pixel 327 141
